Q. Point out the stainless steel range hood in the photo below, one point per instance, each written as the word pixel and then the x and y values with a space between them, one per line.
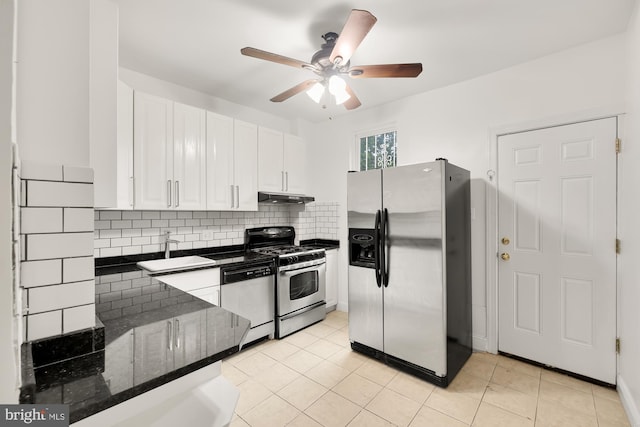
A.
pixel 283 198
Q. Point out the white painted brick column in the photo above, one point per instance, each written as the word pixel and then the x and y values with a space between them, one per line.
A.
pixel 57 232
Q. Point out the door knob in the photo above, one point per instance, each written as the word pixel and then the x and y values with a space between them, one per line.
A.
pixel 505 241
pixel 505 256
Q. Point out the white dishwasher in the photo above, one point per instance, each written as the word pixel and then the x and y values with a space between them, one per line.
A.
pixel 249 291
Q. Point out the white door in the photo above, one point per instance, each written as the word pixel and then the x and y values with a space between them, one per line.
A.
pixel 557 231
pixel 270 158
pixel 189 158
pixel 153 151
pixel 245 156
pixel 220 184
pixel 295 164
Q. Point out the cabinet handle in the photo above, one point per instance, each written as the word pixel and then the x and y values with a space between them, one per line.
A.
pixel 287 180
pixel 177 193
pixel 233 203
pixel 282 179
pixel 169 335
pixel 237 196
pixel 168 193
pixel 132 189
pixel 176 334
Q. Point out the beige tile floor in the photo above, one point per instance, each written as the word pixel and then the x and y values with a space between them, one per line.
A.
pixel 312 378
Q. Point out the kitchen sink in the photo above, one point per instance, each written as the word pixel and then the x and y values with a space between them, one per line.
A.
pixel 175 264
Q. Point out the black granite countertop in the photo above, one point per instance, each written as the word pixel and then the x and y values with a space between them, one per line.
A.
pixel 321 243
pixel 157 334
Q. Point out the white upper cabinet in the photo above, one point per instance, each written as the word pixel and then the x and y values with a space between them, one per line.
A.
pixel 189 157
pixel 281 162
pixel 124 153
pixel 295 165
pixel 270 157
pixel 153 151
pixel 245 154
pixel 169 154
pixel 232 156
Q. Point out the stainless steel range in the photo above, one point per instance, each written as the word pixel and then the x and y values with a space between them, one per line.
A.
pixel 300 282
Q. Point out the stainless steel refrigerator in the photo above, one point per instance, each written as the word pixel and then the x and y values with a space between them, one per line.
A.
pixel 410 267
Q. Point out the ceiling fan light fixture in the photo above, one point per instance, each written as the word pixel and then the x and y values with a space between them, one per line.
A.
pixel 316 92
pixel 338 88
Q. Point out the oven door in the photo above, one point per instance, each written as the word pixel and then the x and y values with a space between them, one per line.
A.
pixel 301 288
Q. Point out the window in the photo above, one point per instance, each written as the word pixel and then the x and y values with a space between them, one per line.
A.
pixel 378 151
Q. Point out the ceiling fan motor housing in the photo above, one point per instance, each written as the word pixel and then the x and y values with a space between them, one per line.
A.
pixel 320 59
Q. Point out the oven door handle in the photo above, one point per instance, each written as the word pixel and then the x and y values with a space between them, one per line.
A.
pixel 301 270
pixel 304 310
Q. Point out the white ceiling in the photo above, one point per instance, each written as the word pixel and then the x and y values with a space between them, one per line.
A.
pixel 196 43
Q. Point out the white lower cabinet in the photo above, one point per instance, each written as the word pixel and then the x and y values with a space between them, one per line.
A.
pixel 332 278
pixel 203 284
pixel 168 345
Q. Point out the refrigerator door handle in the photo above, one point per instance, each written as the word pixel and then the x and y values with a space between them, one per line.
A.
pixel 384 266
pixel 377 249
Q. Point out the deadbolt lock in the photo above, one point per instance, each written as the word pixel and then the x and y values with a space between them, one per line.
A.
pixel 505 241
pixel 505 256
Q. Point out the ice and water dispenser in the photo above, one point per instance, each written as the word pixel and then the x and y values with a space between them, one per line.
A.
pixel 362 250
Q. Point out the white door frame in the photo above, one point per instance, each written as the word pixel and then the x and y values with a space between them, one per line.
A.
pixel 491 200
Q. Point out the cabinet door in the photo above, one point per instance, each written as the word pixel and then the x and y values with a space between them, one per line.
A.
pixel 295 165
pixel 270 158
pixel 220 162
pixel 189 158
pixel 332 277
pixel 124 162
pixel 245 155
pixel 153 351
pixel 188 331
pixel 153 151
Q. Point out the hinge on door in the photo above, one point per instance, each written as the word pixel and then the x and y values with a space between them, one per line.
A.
pixel 618 246
pixel 618 145
pixel 617 345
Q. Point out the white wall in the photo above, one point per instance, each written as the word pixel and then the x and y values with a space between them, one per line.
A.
pixel 629 231
pixel 53 81
pixel 8 363
pixel 456 122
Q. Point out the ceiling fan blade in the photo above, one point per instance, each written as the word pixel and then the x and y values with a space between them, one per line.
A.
pixel 353 102
pixel 306 85
pixel 385 70
pixel 268 56
pixel 354 31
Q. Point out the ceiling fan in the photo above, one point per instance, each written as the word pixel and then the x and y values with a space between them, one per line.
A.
pixel 332 62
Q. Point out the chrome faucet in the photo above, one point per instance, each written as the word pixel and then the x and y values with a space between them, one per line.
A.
pixel 167 241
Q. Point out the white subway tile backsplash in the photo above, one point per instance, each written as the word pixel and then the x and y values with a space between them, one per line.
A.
pixel 78 219
pixel 76 318
pixel 44 325
pixel 41 273
pixel 147 234
pixel 42 220
pixel 63 194
pixel 47 298
pixel 134 215
pixel 109 215
pixel 78 269
pixel 59 245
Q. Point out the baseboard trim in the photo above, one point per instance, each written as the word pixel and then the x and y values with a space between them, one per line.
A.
pixel 480 344
pixel 628 403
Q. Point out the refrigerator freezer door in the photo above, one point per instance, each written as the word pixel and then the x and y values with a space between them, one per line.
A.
pixel 365 308
pixel 414 300
pixel 364 200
